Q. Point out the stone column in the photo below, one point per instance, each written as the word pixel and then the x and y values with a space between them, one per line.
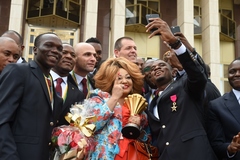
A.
pixel 16 15
pixel 117 23
pixel 90 19
pixel 185 19
pixel 211 40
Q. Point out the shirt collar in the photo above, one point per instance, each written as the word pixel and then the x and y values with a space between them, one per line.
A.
pixel 55 76
pixel 79 78
pixel 181 72
pixel 20 60
pixel 237 94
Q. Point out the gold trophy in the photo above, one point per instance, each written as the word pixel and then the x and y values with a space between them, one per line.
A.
pixel 136 104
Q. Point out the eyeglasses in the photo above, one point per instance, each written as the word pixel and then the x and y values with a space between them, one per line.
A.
pixel 146 69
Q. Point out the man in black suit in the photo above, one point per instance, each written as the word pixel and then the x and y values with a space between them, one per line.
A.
pixel 85 63
pixel 69 91
pixel 19 40
pixel 180 128
pixel 211 91
pixel 29 105
pixel 224 118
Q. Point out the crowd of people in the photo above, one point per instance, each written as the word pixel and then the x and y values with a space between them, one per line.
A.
pixel 186 117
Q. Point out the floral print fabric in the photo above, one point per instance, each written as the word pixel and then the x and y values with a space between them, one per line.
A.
pixel 108 127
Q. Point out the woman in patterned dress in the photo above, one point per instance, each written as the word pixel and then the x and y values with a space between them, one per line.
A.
pixel 115 80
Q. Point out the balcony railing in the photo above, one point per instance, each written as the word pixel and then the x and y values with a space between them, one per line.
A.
pixel 54 13
pixel 136 17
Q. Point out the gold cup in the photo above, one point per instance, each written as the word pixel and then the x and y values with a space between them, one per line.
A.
pixel 136 104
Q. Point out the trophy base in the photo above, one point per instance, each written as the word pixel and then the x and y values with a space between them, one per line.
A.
pixel 131 131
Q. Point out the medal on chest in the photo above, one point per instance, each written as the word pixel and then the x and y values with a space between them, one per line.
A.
pixel 174 105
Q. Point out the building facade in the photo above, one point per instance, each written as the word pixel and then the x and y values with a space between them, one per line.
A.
pixel 211 26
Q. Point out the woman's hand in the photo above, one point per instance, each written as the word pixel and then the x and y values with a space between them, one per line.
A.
pixel 117 92
pixel 136 119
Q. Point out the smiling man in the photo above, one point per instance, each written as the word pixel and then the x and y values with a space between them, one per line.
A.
pixel 126 47
pixel 65 85
pixel 176 114
pixel 29 106
pixel 85 63
pixel 223 115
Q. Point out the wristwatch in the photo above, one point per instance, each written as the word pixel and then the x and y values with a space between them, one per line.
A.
pixel 176 44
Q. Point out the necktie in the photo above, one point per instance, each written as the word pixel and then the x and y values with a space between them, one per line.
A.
pixel 49 85
pixel 84 85
pixel 59 87
pixel 154 107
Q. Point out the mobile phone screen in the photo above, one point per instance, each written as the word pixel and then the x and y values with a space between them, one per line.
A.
pixel 148 21
pixel 175 29
pixel 151 16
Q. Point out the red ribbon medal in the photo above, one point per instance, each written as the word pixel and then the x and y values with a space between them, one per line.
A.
pixel 173 99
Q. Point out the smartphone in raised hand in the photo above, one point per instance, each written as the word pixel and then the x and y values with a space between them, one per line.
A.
pixel 175 29
pixel 148 16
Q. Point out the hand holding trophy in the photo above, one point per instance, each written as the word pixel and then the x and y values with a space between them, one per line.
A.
pixel 136 104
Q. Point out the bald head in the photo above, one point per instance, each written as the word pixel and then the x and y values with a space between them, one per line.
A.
pixel 9 52
pixel 16 37
pixel 85 58
pixel 83 45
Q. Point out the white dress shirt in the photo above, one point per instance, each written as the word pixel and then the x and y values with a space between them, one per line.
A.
pixel 55 76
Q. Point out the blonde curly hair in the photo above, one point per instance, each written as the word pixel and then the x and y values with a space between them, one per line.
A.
pixel 106 75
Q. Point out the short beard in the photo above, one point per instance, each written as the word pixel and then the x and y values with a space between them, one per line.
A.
pixel 160 79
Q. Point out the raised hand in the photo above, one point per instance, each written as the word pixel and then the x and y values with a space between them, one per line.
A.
pixel 117 92
pixel 234 146
pixel 162 28
pixel 184 41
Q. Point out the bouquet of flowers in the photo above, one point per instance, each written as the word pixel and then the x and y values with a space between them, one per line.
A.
pixel 75 140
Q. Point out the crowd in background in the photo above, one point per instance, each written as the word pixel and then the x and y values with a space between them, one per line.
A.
pixel 186 118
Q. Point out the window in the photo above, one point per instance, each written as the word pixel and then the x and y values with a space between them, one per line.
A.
pixel 227 87
pixel 228 25
pixel 31 38
pixel 30 50
pixel 197 20
pixel 136 11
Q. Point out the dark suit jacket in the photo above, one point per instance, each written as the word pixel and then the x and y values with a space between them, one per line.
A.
pixel 212 91
pixel 27 118
pixel 180 134
pixel 73 95
pixel 223 123
pixel 91 80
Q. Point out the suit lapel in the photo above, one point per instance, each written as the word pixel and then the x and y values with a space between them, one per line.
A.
pixel 233 106
pixel 150 108
pixel 38 73
pixel 168 89
pixel 70 91
pixel 147 97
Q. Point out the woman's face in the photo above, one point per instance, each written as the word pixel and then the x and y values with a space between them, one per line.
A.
pixel 125 79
